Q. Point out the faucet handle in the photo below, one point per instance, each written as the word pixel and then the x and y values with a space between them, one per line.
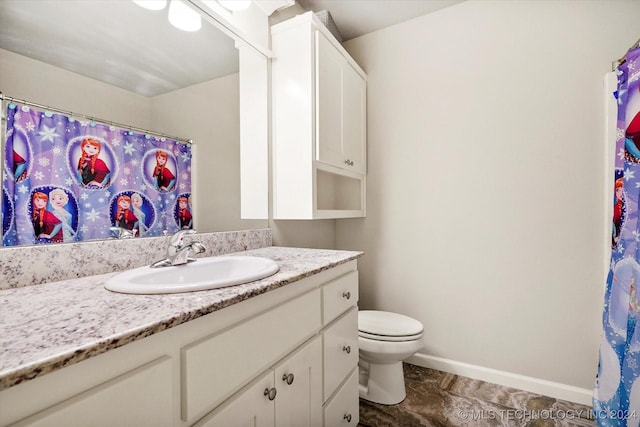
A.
pixel 178 237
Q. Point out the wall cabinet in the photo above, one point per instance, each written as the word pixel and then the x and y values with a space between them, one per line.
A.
pixel 278 359
pixel 319 124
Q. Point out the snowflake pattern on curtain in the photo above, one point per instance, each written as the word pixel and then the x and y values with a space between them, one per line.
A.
pixel 67 180
pixel 616 399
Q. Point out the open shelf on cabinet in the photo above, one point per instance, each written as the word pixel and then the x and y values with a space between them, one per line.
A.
pixel 338 195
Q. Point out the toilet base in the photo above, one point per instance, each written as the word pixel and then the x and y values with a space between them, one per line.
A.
pixel 382 383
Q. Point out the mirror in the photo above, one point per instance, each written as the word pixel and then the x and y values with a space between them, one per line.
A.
pixel 117 61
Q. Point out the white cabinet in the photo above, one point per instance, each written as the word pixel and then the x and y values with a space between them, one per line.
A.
pixel 343 408
pixel 111 404
pixel 319 124
pixel 341 104
pixel 253 345
pixel 277 359
pixel 340 350
pixel 298 381
pixel 288 395
pixel 251 408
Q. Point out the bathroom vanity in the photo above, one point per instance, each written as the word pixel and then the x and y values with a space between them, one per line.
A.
pixel 281 351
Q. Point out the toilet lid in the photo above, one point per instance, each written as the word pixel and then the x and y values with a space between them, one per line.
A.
pixel 386 324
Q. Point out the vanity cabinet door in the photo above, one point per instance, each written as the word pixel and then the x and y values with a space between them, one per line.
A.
pixel 251 407
pixel 140 397
pixel 289 395
pixel 299 384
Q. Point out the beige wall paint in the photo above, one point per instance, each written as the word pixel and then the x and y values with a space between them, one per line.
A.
pixel 209 114
pixel 485 189
pixel 320 234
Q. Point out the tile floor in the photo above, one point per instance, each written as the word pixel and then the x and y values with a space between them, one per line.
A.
pixel 436 398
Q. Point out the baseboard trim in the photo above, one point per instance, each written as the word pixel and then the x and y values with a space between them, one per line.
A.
pixel 534 385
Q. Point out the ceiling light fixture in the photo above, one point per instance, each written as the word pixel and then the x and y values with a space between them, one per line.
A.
pixel 235 5
pixel 151 4
pixel 183 17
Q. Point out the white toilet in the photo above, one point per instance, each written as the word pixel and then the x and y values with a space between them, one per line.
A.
pixel 385 340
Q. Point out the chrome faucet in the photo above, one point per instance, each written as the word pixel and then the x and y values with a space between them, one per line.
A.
pixel 122 233
pixel 178 252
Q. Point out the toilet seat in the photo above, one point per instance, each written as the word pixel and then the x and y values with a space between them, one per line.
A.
pixel 387 326
pixel 375 337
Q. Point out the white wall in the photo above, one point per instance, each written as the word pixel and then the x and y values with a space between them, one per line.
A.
pixel 485 188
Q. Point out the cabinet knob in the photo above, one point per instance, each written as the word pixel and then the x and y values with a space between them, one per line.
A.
pixel 347 418
pixel 349 162
pixel 270 393
pixel 288 378
pixel 346 295
pixel 347 349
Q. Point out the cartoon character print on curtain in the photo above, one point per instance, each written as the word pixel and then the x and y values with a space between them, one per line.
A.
pixel 67 180
pixel 616 399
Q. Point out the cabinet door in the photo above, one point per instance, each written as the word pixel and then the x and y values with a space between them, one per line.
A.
pixel 329 110
pixel 217 366
pixel 354 120
pixel 299 385
pixel 251 407
pixel 340 110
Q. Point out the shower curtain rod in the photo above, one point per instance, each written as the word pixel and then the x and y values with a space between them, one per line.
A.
pixel 93 119
pixel 623 59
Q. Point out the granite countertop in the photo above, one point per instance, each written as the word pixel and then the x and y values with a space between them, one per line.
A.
pixel 49 326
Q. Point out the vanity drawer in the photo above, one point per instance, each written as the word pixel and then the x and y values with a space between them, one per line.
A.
pixel 209 367
pixel 340 350
pixel 338 296
pixel 343 409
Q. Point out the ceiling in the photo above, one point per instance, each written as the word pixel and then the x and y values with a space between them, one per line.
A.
pixel 117 42
pixel 122 44
pixel 357 17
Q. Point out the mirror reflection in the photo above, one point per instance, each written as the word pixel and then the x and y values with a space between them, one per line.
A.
pixel 117 61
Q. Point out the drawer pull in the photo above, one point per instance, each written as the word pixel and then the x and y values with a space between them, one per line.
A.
pixel 346 295
pixel 288 378
pixel 347 349
pixel 349 162
pixel 270 393
pixel 347 418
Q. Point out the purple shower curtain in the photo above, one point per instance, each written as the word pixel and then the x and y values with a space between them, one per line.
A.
pixel 616 399
pixel 67 180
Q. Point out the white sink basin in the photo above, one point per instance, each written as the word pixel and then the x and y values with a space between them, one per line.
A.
pixel 205 273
